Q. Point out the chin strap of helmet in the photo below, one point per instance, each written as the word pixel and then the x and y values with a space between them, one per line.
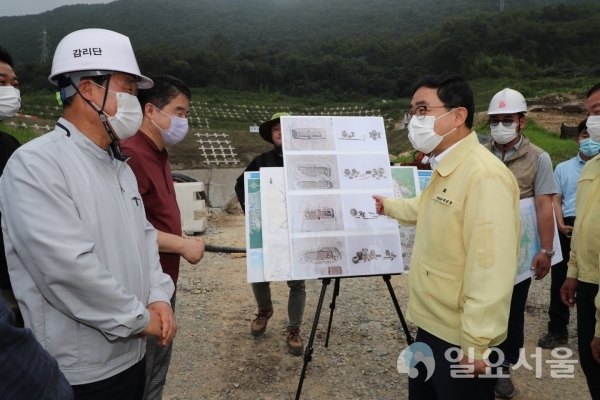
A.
pixel 114 145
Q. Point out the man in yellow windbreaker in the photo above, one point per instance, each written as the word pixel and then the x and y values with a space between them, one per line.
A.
pixel 465 257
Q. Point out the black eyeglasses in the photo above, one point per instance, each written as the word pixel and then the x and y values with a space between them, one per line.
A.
pixel 420 112
pixel 507 122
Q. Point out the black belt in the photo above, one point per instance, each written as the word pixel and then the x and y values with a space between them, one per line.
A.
pixel 569 221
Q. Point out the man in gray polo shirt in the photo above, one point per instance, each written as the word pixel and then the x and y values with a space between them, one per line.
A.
pixel 532 168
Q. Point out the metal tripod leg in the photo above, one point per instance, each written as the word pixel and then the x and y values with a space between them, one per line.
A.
pixel 309 350
pixel 336 292
pixel 409 338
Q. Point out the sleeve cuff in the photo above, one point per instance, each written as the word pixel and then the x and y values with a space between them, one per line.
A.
pixel 473 350
pixel 159 295
pixel 573 272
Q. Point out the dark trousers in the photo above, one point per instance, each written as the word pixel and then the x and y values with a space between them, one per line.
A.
pixel 558 311
pixel 441 385
pixel 516 323
pixel 126 385
pixel 586 326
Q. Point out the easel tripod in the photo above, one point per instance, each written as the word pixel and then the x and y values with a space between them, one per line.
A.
pixel 336 291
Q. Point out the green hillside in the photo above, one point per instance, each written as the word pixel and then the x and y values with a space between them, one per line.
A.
pixel 275 24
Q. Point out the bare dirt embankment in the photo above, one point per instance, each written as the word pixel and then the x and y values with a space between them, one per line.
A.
pixel 215 357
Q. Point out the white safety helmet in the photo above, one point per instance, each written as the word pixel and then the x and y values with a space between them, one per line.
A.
pixel 507 101
pixel 94 52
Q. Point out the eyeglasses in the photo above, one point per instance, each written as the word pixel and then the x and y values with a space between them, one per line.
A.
pixel 507 122
pixel 420 112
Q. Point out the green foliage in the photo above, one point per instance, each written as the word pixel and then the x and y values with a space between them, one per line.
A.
pixel 335 50
pixel 558 149
pixel 23 135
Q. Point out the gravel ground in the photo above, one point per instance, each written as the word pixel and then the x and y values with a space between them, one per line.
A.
pixel 215 357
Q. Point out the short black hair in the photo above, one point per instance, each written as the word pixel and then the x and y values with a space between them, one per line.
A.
pixel 5 57
pixel 593 90
pixel 165 89
pixel 453 90
pixel 582 125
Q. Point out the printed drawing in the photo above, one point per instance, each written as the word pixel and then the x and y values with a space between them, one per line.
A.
pixel 367 255
pixel 319 214
pixel 312 172
pixel 352 135
pixel 335 270
pixel 323 255
pixel 364 214
pixel 377 173
pixel 309 133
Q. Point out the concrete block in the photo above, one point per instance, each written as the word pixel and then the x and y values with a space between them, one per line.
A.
pixel 191 206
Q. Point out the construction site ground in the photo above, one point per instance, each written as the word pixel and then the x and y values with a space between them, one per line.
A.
pixel 215 357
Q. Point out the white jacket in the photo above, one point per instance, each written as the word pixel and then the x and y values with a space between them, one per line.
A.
pixel 82 258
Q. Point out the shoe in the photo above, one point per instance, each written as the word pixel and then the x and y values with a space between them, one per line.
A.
pixel 294 342
pixel 552 340
pixel 259 325
pixel 504 388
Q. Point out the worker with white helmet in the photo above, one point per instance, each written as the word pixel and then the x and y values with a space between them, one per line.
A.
pixel 532 168
pixel 82 258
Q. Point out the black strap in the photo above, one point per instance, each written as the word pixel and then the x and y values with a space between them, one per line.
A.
pixel 114 145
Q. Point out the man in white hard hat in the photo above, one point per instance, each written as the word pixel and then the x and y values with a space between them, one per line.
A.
pixel 533 170
pixel 82 258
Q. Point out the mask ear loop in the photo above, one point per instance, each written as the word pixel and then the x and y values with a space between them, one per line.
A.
pixel 114 146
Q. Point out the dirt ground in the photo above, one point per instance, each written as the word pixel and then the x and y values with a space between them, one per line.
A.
pixel 215 357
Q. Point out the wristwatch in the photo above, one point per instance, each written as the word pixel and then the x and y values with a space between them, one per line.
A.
pixel 549 253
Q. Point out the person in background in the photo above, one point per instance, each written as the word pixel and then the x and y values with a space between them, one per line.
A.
pixel 165 106
pixel 532 168
pixel 581 284
pixel 10 102
pixel 82 258
pixel 270 131
pixel 566 175
pixel 464 260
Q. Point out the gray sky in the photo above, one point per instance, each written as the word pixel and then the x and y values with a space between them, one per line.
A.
pixel 24 7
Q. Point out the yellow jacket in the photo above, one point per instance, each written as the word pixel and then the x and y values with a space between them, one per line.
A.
pixel 464 261
pixel 585 245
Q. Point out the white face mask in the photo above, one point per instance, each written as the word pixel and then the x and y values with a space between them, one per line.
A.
pixel 129 116
pixel 504 134
pixel 593 127
pixel 10 102
pixel 422 135
pixel 176 131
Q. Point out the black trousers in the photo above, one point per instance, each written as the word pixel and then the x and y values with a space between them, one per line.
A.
pixel 586 326
pixel 441 385
pixel 515 338
pixel 126 385
pixel 558 312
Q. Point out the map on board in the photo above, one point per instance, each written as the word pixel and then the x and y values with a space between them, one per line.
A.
pixel 424 178
pixel 405 181
pixel 406 186
pixel 275 233
pixel 530 241
pixel 254 251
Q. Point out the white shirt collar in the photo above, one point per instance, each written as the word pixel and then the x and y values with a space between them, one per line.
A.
pixel 434 161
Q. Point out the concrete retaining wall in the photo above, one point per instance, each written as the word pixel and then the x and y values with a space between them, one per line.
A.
pixel 218 183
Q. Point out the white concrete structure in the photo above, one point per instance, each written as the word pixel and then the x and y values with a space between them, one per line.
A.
pixel 191 207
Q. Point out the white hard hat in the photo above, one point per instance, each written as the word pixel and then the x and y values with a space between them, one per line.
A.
pixel 98 51
pixel 507 101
